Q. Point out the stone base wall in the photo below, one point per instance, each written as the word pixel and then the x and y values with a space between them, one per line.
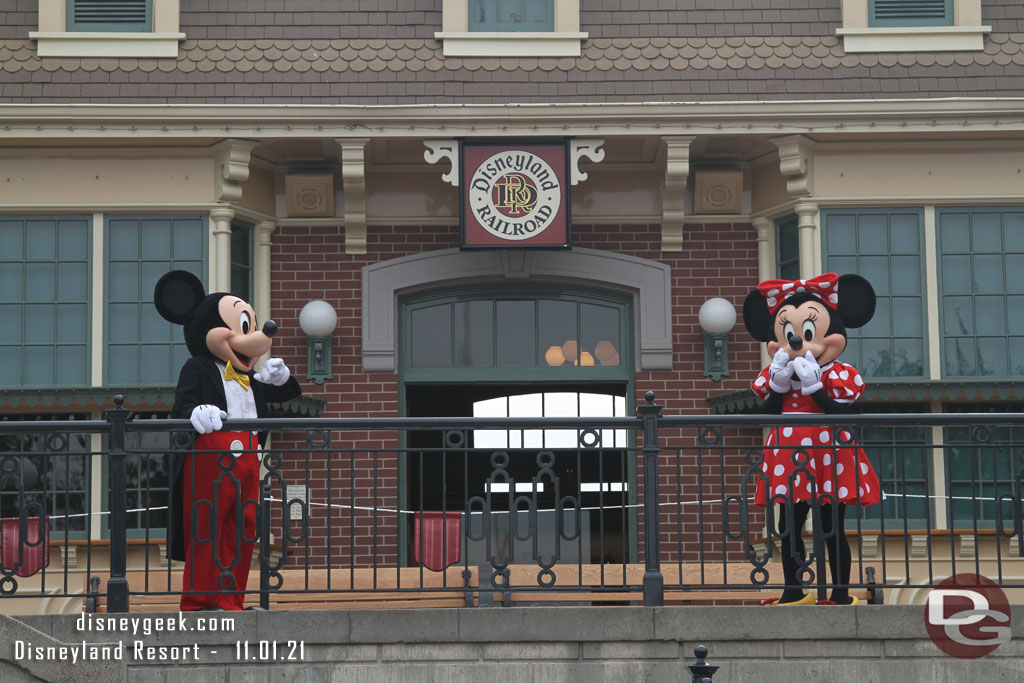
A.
pixel 541 645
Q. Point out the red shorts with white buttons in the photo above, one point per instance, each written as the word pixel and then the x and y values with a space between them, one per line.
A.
pixel 829 464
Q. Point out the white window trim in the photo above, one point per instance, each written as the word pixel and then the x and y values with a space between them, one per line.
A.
pixel 54 40
pixel 459 41
pixel 966 34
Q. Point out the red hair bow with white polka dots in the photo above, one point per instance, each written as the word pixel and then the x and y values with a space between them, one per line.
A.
pixel 825 287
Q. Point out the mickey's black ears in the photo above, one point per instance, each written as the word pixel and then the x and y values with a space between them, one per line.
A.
pixel 176 296
pixel 856 300
pixel 756 317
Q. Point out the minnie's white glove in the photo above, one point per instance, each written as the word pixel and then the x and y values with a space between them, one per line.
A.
pixel 809 372
pixel 207 418
pixel 274 371
pixel 780 372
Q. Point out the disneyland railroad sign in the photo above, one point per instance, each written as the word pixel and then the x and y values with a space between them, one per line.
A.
pixel 514 195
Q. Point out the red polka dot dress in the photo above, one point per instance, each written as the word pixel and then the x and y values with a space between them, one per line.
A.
pixel 837 466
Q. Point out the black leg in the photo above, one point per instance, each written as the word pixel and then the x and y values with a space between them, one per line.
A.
pixel 792 550
pixel 839 557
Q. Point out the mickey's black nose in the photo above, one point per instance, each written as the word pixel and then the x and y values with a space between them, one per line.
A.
pixel 796 342
pixel 270 328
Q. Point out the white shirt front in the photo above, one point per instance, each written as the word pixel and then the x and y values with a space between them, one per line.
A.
pixel 240 401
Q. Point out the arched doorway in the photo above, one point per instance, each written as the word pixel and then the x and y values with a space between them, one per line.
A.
pixel 522 351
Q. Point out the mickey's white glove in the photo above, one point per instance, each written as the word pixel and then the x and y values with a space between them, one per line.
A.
pixel 274 371
pixel 780 372
pixel 207 418
pixel 809 372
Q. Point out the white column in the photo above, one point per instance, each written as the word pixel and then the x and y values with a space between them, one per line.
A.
pixel 220 260
pixel 261 297
pixel 808 228
pixel 765 262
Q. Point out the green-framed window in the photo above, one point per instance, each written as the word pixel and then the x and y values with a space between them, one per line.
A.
pixel 885 246
pixel 981 465
pixel 535 333
pixel 901 457
pixel 241 259
pixel 910 12
pixel 981 258
pixel 511 15
pixel 787 248
pixel 127 16
pixel 45 301
pixel 141 347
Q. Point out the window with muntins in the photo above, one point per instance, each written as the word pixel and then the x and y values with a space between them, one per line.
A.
pixel 127 16
pixel 44 301
pixel 910 12
pixel 885 247
pixel 241 259
pixel 143 348
pixel 527 333
pixel 981 259
pixel 512 15
pixel 982 466
pixel 787 248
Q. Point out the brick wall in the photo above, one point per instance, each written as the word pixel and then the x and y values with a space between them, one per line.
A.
pixel 310 263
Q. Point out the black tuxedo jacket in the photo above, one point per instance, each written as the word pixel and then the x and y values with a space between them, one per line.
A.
pixel 201 382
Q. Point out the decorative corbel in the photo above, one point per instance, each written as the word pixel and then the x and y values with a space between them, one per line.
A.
pixel 583 147
pixel 232 158
pixel 796 161
pixel 439 150
pixel 673 196
pixel 353 178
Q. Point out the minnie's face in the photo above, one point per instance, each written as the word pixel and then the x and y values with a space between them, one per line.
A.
pixel 241 341
pixel 803 328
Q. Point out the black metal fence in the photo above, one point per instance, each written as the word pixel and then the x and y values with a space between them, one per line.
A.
pixel 479 511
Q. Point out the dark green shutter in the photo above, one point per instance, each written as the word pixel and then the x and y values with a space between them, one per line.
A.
pixel 911 12
pixel 129 16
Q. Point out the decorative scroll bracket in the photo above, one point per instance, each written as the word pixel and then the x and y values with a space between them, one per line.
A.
pixel 232 158
pixel 353 178
pixel 583 147
pixel 796 161
pixel 673 196
pixel 438 150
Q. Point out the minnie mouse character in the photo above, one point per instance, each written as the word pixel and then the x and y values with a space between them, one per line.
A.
pixel 211 494
pixel 804 324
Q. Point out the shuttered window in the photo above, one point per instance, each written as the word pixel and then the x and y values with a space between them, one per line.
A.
pixel 127 16
pixel 911 12
pixel 511 15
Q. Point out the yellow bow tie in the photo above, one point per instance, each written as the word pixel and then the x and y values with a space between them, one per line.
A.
pixel 230 373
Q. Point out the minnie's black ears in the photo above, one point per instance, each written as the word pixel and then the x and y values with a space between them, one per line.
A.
pixel 176 296
pixel 756 317
pixel 856 300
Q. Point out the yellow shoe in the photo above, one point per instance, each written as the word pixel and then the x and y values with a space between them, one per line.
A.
pixel 806 600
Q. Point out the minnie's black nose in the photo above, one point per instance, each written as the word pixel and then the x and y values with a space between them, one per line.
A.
pixel 796 342
pixel 270 328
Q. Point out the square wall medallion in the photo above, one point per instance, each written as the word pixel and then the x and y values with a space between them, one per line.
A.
pixel 718 192
pixel 310 195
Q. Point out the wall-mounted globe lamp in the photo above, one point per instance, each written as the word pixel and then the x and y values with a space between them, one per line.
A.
pixel 717 316
pixel 318 320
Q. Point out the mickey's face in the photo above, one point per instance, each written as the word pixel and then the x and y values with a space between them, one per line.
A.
pixel 240 340
pixel 802 328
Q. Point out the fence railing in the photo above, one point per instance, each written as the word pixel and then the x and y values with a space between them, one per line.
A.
pixel 478 511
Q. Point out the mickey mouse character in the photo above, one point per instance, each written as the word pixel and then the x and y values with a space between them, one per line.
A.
pixel 210 494
pixel 804 324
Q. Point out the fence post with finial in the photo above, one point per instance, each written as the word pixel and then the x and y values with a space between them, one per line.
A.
pixel 702 671
pixel 117 584
pixel 654 582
